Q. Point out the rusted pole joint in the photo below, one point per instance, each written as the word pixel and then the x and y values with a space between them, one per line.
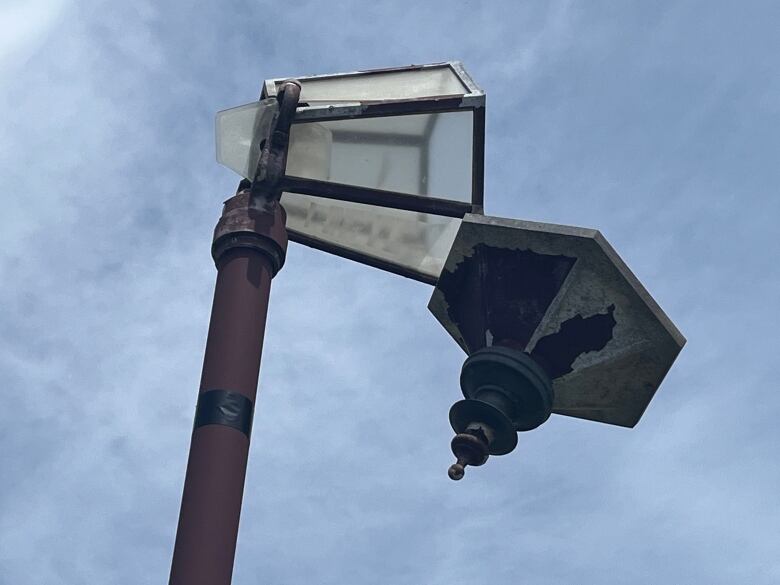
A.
pixel 267 183
pixel 254 218
pixel 249 223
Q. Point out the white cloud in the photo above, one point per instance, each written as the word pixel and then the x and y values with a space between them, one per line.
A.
pixel 24 25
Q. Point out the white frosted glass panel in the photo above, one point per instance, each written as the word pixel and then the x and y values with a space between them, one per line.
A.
pixel 311 156
pixel 406 238
pixel 450 157
pixel 417 154
pixel 237 129
pixel 387 85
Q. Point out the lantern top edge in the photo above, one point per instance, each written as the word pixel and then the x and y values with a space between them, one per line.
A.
pixel 458 90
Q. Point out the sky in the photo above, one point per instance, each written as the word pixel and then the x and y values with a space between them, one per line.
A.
pixel 654 122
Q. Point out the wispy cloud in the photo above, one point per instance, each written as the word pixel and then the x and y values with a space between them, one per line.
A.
pixel 24 27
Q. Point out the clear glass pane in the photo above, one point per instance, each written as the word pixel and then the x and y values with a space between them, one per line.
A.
pixel 383 85
pixel 406 238
pixel 418 154
pixel 237 130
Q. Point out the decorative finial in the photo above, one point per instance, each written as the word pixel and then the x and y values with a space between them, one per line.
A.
pixel 471 448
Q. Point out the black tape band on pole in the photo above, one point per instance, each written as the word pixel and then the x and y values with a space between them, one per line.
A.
pixel 222 407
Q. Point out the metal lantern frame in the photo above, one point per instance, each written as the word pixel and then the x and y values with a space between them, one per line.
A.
pixel 472 99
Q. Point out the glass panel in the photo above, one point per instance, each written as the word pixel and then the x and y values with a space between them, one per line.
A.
pixel 237 131
pixel 382 85
pixel 406 238
pixel 417 154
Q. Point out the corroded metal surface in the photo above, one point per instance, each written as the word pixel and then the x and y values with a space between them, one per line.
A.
pixel 247 222
pixel 271 165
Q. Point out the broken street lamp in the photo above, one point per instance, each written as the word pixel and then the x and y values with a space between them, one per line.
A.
pixel 381 165
pixel 552 321
pixel 385 167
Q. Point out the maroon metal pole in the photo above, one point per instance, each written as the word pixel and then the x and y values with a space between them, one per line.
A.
pixel 250 242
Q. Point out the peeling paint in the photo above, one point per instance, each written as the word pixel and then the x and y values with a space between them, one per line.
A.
pixel 578 335
pixel 499 296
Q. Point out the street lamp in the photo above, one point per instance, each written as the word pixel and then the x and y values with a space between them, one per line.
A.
pixel 386 168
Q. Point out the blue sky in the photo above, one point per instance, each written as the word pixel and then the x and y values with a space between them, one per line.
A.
pixel 656 123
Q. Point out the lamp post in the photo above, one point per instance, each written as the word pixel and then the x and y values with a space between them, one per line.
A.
pixel 249 248
pixel 386 168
